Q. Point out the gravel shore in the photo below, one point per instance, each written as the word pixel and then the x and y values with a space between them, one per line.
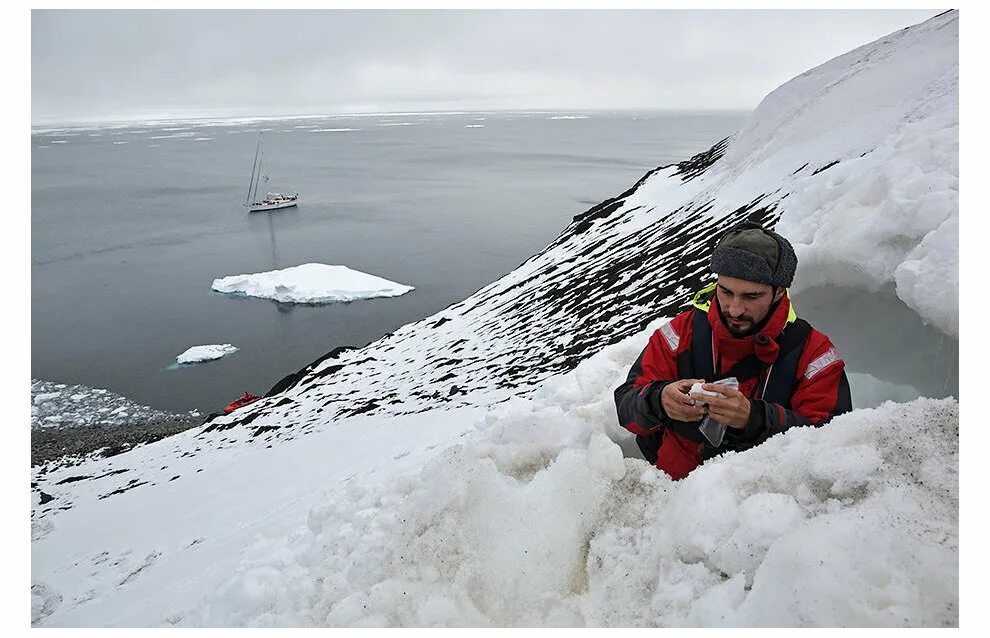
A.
pixel 75 421
pixel 51 444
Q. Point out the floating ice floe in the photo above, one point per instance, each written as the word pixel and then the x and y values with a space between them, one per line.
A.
pixel 430 504
pixel 197 354
pixel 310 284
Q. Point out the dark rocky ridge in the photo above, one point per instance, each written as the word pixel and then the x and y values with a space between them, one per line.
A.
pixel 594 285
pixel 618 266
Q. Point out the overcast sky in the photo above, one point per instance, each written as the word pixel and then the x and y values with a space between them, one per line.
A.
pixel 108 65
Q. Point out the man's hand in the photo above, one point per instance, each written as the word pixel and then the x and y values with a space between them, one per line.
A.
pixel 733 410
pixel 676 402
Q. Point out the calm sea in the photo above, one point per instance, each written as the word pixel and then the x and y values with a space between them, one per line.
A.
pixel 131 225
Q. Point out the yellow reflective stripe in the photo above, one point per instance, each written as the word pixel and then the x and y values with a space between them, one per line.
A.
pixel 703 305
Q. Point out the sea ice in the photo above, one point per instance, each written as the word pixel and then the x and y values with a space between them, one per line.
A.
pixel 310 284
pixel 537 510
pixel 46 396
pixel 57 405
pixel 196 354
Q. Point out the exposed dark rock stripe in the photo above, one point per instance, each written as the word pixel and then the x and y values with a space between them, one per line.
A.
pixel 598 282
pixel 826 167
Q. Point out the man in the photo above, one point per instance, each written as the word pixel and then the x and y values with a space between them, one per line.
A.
pixel 742 326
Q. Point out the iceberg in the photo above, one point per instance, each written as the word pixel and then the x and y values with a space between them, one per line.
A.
pixel 468 469
pixel 310 284
pixel 198 354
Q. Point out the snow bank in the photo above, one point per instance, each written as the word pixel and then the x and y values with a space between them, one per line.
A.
pixel 197 354
pixel 876 203
pixel 311 284
pixel 437 505
pixel 855 161
pixel 539 520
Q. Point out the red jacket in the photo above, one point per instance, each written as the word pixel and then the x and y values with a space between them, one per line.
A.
pixel 818 392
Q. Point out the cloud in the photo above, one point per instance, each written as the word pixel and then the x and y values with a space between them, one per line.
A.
pixel 90 64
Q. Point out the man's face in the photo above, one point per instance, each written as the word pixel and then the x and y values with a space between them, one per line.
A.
pixel 744 304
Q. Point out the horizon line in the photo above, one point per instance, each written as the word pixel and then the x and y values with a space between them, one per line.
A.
pixel 146 119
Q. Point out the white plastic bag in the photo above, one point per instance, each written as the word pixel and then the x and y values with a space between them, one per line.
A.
pixel 710 428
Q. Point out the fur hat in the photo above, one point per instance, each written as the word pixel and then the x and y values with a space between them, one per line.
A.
pixel 751 252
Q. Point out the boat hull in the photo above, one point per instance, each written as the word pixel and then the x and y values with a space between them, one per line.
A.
pixel 257 208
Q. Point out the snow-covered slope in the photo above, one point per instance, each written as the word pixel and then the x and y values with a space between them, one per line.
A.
pixel 537 518
pixel 523 515
pixel 857 159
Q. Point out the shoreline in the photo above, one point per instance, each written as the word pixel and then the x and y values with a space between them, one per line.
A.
pixel 70 423
pixel 65 444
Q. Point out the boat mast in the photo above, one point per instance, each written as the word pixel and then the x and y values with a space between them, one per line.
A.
pixel 260 161
pixel 253 168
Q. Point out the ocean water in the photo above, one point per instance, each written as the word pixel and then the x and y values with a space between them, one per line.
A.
pixel 132 223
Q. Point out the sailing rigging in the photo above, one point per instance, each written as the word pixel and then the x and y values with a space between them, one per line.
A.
pixel 271 201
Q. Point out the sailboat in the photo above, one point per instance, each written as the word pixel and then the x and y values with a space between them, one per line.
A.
pixel 271 201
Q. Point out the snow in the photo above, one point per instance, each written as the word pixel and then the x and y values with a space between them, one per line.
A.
pixel 182 543
pixel 888 212
pixel 861 157
pixel 197 354
pixel 542 522
pixel 468 469
pixel 311 284
pixel 529 513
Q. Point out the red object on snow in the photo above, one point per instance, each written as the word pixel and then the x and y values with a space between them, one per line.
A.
pixel 240 403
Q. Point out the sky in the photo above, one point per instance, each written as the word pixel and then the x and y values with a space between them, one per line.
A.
pixel 106 65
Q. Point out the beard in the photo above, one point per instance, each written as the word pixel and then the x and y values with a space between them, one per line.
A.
pixel 744 326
